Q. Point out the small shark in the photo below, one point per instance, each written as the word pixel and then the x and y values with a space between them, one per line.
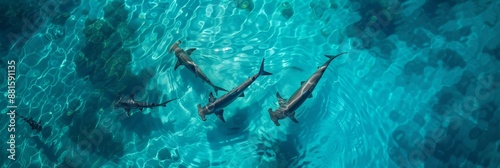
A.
pixel 130 103
pixel 216 105
pixel 34 125
pixel 183 58
pixel 287 107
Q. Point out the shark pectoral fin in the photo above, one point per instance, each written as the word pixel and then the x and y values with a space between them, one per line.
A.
pixel 200 113
pixel 242 95
pixel 273 117
pixel 211 98
pixel 281 101
pixel 127 111
pixel 177 64
pixel 302 82
pixel 292 117
pixel 310 95
pixel 132 97
pixel 141 109
pixel 189 51
pixel 220 115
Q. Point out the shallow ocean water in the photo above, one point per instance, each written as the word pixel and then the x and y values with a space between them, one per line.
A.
pixel 418 88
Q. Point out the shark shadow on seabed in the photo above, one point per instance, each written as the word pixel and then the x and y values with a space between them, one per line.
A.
pixel 48 150
pixel 85 129
pixel 235 129
pixel 279 153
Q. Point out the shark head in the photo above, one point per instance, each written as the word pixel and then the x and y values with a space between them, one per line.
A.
pixel 202 112
pixel 174 46
pixel 178 50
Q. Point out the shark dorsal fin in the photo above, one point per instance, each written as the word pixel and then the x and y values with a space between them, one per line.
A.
pixel 310 95
pixel 189 51
pixel 211 98
pixel 132 97
pixel 302 82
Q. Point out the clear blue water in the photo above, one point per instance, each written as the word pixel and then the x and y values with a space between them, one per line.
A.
pixel 419 87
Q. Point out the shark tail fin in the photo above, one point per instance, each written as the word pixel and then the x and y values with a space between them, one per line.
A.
pixel 164 104
pixel 217 88
pixel 262 71
pixel 273 117
pixel 335 56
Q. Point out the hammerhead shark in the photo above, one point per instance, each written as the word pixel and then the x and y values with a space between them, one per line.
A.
pixel 130 103
pixel 183 58
pixel 287 107
pixel 34 125
pixel 216 105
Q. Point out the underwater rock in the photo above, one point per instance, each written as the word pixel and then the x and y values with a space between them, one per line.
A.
pixel 244 4
pixel 436 8
pixel 486 112
pixel 419 119
pixel 444 149
pixel 318 9
pixel 164 154
pixel 415 66
pixel 13 17
pixel 72 108
pixel 450 59
pixel 286 10
pixel 458 35
pixel 46 132
pixel 474 133
pixel 85 12
pixel 115 12
pixel 395 116
pixel 466 80
pixel 74 104
pixel 446 97
pixel 494 52
pixel 55 32
pixel 60 19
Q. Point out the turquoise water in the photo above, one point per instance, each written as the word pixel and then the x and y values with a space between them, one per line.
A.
pixel 418 88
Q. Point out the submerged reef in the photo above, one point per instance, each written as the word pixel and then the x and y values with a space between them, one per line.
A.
pixel 104 58
pixel 14 17
pixel 378 21
pixel 244 4
pixel 286 9
pixel 20 19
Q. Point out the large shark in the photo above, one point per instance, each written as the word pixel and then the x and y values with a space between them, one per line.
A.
pixel 130 103
pixel 287 107
pixel 183 58
pixel 216 105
